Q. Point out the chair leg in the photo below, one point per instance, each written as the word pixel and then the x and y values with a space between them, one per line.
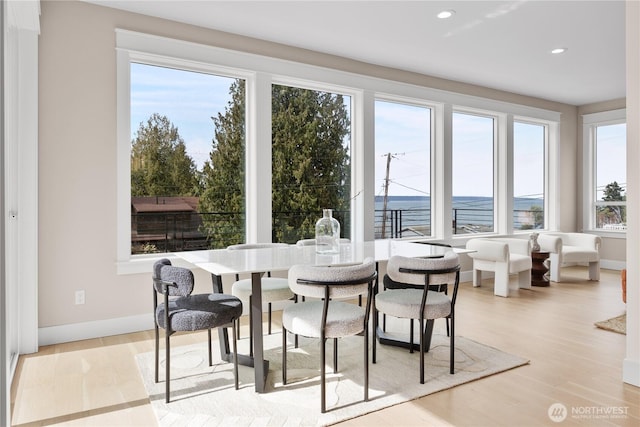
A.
pixel 594 270
pixel 235 351
pixel 422 332
pixel 410 335
pixel 477 278
pixel 250 329
pixel 373 334
pixel 210 352
pixel 168 364
pixel 157 351
pixel 452 349
pixel 501 280
pixel 335 355
pixel 284 355
pixel 366 364
pixel 323 402
pixel 269 318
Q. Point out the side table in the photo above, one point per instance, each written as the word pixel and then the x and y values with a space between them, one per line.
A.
pixel 538 269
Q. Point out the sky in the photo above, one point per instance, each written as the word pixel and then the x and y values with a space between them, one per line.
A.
pixel 190 99
pixel 189 103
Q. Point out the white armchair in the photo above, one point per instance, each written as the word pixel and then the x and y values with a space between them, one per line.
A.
pixel 569 248
pixel 503 256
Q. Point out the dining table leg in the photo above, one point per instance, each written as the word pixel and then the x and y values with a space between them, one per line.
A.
pixel 223 335
pixel 261 370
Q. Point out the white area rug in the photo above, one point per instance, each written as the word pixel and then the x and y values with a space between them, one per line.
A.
pixel 205 396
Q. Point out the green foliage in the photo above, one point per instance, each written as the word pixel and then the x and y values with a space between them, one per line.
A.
pixel 538 216
pixel 613 192
pixel 310 164
pixel 160 165
pixel 612 214
pixel 222 199
pixel 310 159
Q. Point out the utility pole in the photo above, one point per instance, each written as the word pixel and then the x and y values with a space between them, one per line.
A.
pixel 386 193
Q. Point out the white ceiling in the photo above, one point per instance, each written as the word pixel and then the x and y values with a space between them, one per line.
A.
pixel 498 44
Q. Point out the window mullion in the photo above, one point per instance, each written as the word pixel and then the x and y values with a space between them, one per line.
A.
pixel 258 159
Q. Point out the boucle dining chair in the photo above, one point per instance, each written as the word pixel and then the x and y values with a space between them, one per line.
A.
pixel 388 283
pixel 273 288
pixel 182 311
pixel 324 317
pixel 421 303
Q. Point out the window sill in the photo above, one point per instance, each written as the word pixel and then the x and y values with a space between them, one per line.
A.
pixel 608 234
pixel 143 264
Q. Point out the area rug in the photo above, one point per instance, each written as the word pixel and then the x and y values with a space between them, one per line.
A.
pixel 203 395
pixel 616 324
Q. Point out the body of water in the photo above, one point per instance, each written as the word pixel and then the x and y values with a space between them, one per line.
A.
pixel 468 211
pixel 473 203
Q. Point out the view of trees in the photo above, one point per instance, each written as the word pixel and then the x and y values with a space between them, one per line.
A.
pixel 160 165
pixel 222 200
pixel 612 214
pixel 311 166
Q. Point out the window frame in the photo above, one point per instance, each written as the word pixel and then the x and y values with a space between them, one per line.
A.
pixel 433 109
pixel 546 162
pixel 260 72
pixel 498 124
pixel 590 124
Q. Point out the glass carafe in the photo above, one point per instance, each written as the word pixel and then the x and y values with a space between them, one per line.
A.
pixel 327 233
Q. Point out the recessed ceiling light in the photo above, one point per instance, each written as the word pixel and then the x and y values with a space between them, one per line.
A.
pixel 446 14
pixel 559 50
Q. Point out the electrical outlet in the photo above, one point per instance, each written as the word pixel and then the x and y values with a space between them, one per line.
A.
pixel 80 297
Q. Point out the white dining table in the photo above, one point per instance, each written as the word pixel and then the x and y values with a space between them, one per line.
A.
pixel 257 262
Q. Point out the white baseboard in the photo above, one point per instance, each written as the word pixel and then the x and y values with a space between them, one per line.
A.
pixel 95 329
pixel 631 372
pixel 612 264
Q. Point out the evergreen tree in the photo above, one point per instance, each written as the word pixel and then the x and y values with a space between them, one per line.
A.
pixel 222 201
pixel 160 165
pixel 612 214
pixel 310 164
pixel 311 169
pixel 613 192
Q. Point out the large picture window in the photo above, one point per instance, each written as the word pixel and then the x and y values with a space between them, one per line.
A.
pixel 473 173
pixel 403 170
pixel 187 160
pixel 605 171
pixel 611 177
pixel 529 175
pixel 311 167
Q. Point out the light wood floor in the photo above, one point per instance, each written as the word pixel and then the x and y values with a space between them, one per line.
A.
pixel 96 382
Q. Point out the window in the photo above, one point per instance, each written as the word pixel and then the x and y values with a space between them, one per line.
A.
pixel 311 166
pixel 473 173
pixel 403 170
pixel 187 160
pixel 529 142
pixel 605 155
